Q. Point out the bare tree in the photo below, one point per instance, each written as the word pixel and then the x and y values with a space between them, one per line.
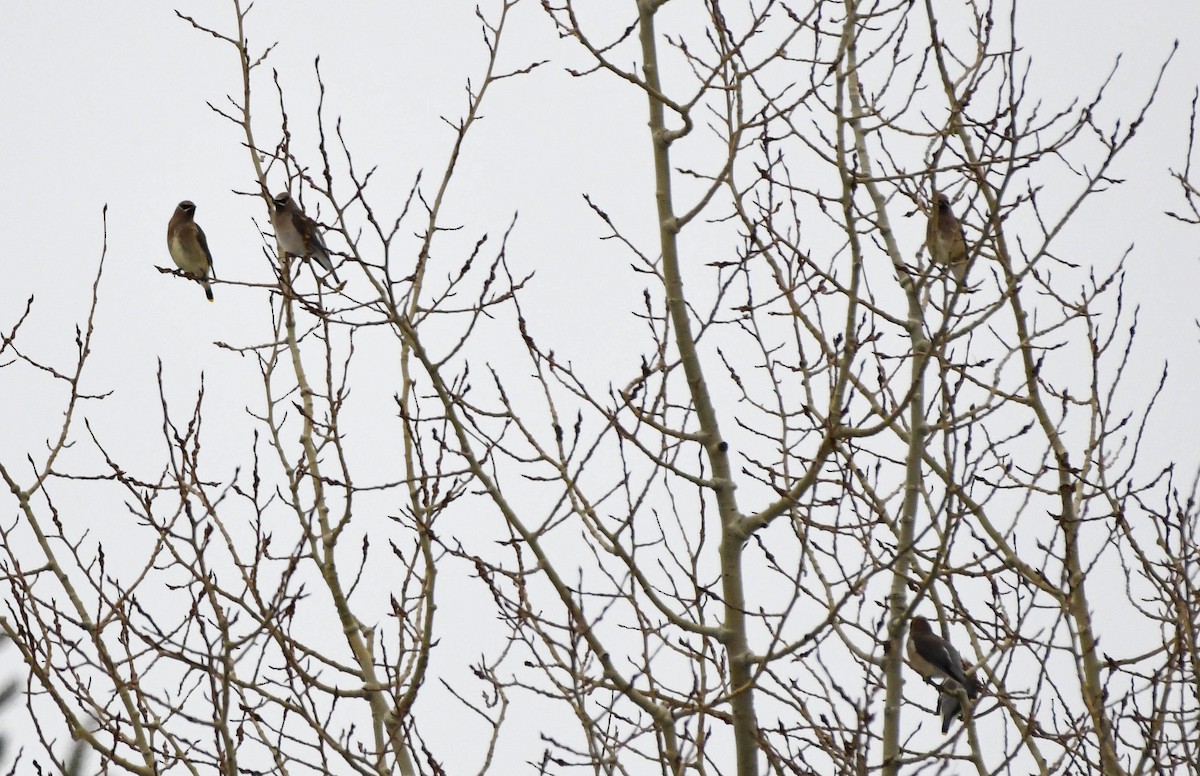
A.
pixel 709 562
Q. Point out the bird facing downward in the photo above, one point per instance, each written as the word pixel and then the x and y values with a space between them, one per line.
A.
pixel 944 238
pixel 934 658
pixel 950 703
pixel 189 246
pixel 298 234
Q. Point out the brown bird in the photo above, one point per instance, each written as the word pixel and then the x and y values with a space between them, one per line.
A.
pixel 298 234
pixel 189 246
pixel 944 238
pixel 935 658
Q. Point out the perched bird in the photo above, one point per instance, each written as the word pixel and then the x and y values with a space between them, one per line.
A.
pixel 944 238
pixel 933 657
pixel 950 704
pixel 189 246
pixel 298 234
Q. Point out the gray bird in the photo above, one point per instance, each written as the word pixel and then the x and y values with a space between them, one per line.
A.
pixel 298 234
pixel 950 704
pixel 189 246
pixel 935 658
pixel 944 238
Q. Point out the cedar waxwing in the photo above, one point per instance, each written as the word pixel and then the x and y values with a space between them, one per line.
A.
pixel 934 657
pixel 944 238
pixel 189 246
pixel 297 233
pixel 950 703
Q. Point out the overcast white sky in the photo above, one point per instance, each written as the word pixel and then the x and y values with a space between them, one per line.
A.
pixel 105 104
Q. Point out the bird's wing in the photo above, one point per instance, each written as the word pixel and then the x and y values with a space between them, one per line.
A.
pixel 202 240
pixel 954 664
pixel 314 242
pixel 958 247
pixel 314 234
pixel 941 655
pixel 305 226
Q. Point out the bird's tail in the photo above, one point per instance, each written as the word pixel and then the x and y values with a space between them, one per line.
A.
pixel 326 263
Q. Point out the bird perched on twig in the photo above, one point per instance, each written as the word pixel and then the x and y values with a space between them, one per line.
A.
pixel 944 238
pixel 189 247
pixel 298 234
pixel 935 658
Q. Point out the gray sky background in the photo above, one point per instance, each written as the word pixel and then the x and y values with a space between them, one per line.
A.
pixel 105 104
